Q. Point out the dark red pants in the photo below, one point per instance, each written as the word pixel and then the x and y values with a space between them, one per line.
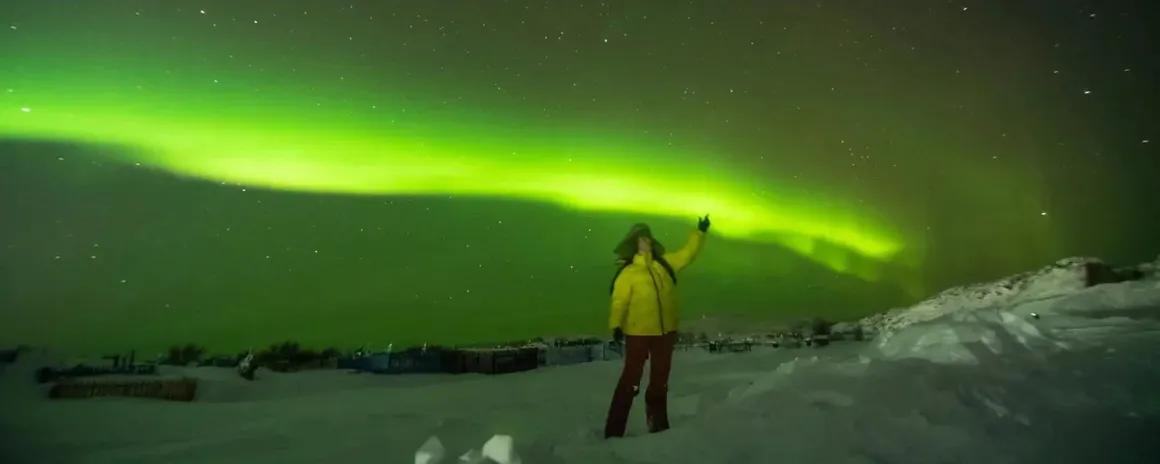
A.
pixel 638 349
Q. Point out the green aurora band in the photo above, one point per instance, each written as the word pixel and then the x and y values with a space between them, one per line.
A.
pixel 279 140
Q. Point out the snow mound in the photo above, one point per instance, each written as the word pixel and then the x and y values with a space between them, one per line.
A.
pixel 1063 277
pixel 1150 269
pixel 431 452
pixel 1035 326
pixel 958 338
pixel 499 449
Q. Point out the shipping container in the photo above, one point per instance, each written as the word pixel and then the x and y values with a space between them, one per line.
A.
pixel 501 360
pixel 417 361
pixel 378 363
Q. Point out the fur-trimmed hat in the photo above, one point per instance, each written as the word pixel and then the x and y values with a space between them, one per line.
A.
pixel 628 247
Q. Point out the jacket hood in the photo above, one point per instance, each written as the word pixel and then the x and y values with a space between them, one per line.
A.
pixel 627 247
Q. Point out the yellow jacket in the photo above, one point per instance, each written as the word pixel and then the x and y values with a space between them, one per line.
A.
pixel 643 298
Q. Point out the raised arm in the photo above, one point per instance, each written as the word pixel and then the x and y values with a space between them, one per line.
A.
pixel 687 254
pixel 682 258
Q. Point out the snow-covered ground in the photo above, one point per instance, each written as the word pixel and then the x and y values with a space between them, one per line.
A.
pixel 1042 370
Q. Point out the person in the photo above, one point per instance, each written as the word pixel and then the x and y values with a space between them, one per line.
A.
pixel 247 366
pixel 645 317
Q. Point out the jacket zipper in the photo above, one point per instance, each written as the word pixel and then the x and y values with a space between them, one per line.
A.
pixel 660 306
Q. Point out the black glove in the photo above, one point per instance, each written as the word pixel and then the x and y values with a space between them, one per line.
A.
pixel 703 223
pixel 618 335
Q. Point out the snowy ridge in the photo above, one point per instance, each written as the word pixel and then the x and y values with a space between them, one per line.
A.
pixel 1151 269
pixel 1061 278
pixel 1034 314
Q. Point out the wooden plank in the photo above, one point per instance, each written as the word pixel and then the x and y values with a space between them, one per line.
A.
pixel 183 389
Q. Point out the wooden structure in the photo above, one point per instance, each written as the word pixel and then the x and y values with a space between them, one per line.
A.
pixel 177 389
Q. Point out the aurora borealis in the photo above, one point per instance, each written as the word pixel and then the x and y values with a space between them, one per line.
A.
pixel 237 173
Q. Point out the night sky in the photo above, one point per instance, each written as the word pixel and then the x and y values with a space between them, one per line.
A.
pixel 236 173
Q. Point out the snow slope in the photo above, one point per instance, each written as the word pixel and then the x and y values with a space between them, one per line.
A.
pixel 971 376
